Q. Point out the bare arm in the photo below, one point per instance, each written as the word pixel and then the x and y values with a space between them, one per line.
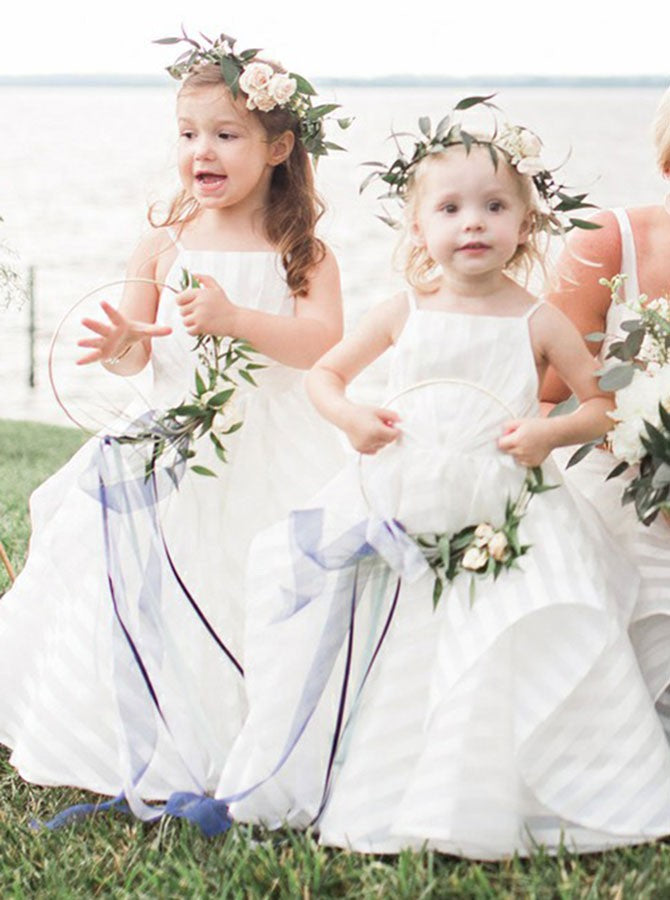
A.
pixel 558 342
pixel 127 333
pixel 579 295
pixel 296 341
pixel 368 428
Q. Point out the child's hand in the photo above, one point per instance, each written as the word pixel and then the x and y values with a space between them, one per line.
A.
pixel 369 429
pixel 117 337
pixel 527 440
pixel 206 309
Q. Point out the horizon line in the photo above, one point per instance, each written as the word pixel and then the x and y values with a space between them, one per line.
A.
pixel 112 79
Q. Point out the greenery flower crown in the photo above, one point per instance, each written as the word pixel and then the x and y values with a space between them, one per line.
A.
pixel 519 146
pixel 265 85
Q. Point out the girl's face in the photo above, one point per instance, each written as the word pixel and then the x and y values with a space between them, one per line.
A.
pixel 470 215
pixel 225 159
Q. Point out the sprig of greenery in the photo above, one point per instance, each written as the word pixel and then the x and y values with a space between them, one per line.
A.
pixel 482 550
pixel 559 203
pixel 221 363
pixel 221 51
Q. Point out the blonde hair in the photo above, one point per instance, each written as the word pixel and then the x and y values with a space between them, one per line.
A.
pixel 420 269
pixel 294 206
pixel 661 132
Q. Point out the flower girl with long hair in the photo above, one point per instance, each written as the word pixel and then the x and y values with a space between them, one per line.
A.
pixel 121 642
pixel 437 642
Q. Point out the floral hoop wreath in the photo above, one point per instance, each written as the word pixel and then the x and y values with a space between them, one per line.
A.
pixel 518 145
pixel 208 410
pixel 59 328
pixel 479 549
pixel 266 85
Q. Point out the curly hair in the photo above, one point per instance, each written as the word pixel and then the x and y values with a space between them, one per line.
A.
pixel 294 207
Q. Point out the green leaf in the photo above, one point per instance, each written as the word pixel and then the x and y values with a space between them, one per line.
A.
pixel 583 451
pixel 617 470
pixel 586 225
pixel 437 591
pixel 467 102
pixel 565 407
pixel 303 85
pixel 247 377
pixel 199 383
pixel 595 336
pixel 203 470
pixel 617 377
pixel 221 398
pixel 661 477
pixel 424 126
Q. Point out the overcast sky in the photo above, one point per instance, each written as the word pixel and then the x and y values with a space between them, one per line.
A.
pixel 347 37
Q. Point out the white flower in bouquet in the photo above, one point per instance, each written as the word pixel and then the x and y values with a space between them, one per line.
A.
pixel 483 534
pixel 475 558
pixel 636 403
pixel 498 546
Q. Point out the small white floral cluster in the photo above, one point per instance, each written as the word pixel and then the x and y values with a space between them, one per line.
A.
pixel 523 148
pixel 636 404
pixel 265 88
pixel 487 544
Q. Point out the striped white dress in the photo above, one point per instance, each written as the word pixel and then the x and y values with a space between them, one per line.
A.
pixel 483 727
pixel 74 705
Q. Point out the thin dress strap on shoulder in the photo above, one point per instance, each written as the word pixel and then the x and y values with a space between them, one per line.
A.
pixel 174 238
pixel 628 255
pixel 533 309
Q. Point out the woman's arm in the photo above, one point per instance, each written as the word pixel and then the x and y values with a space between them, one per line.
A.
pixel 589 256
pixel 296 341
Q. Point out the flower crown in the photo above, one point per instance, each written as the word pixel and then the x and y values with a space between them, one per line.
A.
pixel 266 86
pixel 518 145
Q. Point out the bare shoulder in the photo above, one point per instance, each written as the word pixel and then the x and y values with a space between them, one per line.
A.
pixel 601 245
pixel 154 254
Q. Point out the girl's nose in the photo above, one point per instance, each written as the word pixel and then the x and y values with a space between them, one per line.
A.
pixel 204 149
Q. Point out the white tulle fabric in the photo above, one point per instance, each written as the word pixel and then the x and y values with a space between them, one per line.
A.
pixel 58 703
pixel 648 546
pixel 483 728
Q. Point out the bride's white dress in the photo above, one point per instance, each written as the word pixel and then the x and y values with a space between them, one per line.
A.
pixel 75 704
pixel 649 546
pixel 514 717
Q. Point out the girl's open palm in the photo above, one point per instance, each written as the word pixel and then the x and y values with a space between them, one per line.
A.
pixel 206 309
pixel 116 336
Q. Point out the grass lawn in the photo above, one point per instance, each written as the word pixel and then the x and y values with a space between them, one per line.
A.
pixel 114 856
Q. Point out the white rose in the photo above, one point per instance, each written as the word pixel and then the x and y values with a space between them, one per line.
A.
pixel 625 441
pixel 530 165
pixel 261 100
pixel 529 143
pixel 497 546
pixel 255 77
pixel 282 88
pixel 475 558
pixel 483 534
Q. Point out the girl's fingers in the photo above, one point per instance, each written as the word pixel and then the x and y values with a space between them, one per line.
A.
pixel 90 342
pixel 206 281
pixel 153 330
pixel 112 313
pixel 98 327
pixel 89 358
pixel 186 296
pixel 510 426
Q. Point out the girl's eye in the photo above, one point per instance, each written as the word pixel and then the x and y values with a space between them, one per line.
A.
pixel 187 135
pixel 495 206
pixel 226 136
pixel 449 208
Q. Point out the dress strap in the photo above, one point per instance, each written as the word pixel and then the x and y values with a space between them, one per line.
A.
pixel 628 254
pixel 174 238
pixel 533 309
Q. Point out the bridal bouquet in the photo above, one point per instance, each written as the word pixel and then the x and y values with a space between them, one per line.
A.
pixel 209 410
pixel 641 382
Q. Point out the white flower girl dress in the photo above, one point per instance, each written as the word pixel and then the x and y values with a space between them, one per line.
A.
pixel 121 641
pixel 499 720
